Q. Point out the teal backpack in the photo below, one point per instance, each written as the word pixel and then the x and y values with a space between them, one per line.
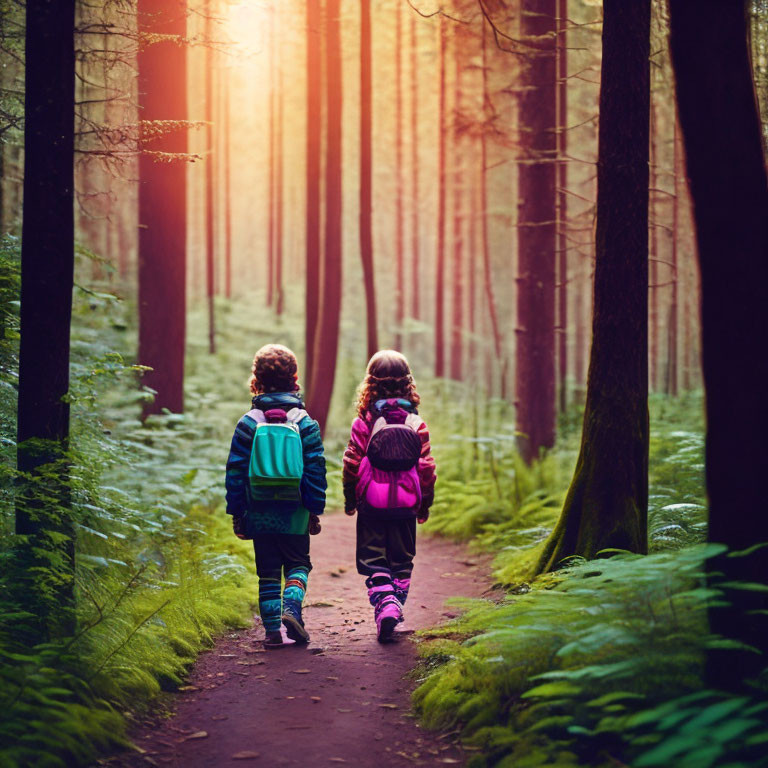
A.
pixel 277 456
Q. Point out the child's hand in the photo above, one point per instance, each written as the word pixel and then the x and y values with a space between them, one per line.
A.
pixel 314 525
pixel 349 511
pixel 238 526
pixel 422 517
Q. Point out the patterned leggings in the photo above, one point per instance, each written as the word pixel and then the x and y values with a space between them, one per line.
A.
pixel 278 554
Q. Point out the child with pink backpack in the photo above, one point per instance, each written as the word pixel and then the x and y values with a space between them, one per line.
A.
pixel 389 479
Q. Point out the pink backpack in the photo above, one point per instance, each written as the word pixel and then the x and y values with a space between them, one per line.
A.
pixel 388 479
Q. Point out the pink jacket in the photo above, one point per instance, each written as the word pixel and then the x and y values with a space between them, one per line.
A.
pixel 358 442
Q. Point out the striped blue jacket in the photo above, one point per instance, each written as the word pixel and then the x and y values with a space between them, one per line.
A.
pixel 313 482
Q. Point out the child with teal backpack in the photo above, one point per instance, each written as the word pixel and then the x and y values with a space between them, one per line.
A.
pixel 276 490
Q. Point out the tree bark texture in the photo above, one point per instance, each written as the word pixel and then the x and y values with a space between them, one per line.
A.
pixel 329 314
pixel 457 185
pixel 562 204
pixel 415 200
pixel 162 203
pixel 314 148
pixel 607 502
pixel 485 241
pixel 440 256
pixel 278 256
pixel 399 209
pixel 210 179
pixel 47 273
pixel 366 177
pixel 720 124
pixel 537 230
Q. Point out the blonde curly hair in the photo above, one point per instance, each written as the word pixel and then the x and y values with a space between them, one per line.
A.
pixel 387 375
pixel 275 369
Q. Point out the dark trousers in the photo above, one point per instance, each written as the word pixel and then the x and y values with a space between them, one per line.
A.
pixel 386 546
pixel 278 552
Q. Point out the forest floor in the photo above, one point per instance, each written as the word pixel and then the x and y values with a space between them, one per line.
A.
pixel 344 698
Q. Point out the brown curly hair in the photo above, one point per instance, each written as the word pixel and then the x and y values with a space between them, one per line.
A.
pixel 275 369
pixel 388 375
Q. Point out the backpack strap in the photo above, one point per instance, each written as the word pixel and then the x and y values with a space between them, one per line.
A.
pixel 414 420
pixel 295 415
pixel 257 415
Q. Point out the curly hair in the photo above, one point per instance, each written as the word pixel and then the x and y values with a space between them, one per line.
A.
pixel 275 369
pixel 388 375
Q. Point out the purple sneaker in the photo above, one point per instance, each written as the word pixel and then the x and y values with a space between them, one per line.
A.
pixel 388 614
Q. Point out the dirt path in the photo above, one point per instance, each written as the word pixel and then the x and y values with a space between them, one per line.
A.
pixel 342 699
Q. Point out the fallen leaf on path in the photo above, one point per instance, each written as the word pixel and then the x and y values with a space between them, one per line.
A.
pixel 343 710
pixel 451 760
pixel 247 664
pixel 220 674
pixel 227 655
pixel 337 760
pixel 331 677
pixel 245 755
pixel 197 735
pixel 315 698
pixel 219 717
pixel 188 688
pixel 301 671
pixel 255 650
pixel 388 706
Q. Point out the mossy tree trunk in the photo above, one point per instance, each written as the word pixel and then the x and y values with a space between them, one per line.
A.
pixel 720 123
pixel 607 501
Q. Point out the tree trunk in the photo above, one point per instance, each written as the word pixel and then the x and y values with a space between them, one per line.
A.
pixel 162 203
pixel 726 168
pixel 278 200
pixel 607 502
pixel 47 273
pixel 672 357
pixel 399 213
pixel 327 339
pixel 227 146
pixel 457 179
pixel 210 179
pixel 485 244
pixel 537 231
pixel 314 148
pixel 271 161
pixel 440 257
pixel 562 202
pixel 653 332
pixel 415 200
pixel 366 178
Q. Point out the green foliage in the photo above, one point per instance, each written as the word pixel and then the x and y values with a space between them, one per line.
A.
pixel 158 571
pixel 601 663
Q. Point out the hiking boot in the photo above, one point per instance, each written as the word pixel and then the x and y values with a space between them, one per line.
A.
pixel 292 621
pixel 273 640
pixel 388 614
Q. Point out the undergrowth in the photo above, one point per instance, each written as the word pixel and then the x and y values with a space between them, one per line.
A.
pixel 158 572
pixel 600 664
